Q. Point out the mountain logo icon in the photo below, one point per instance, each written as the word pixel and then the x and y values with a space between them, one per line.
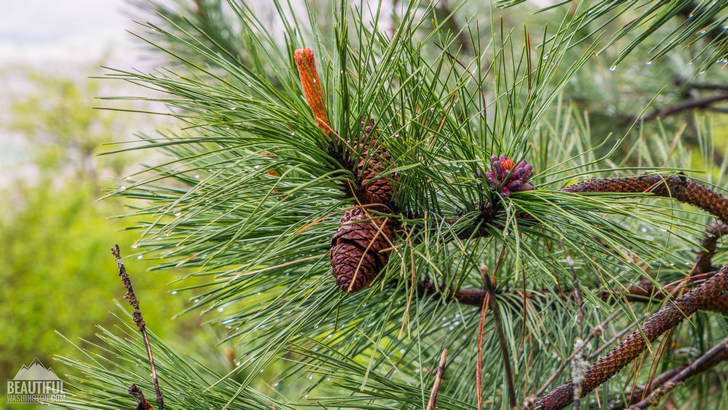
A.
pixel 35 371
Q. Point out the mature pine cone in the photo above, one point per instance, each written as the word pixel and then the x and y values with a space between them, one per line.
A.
pixel 356 250
pixel 375 190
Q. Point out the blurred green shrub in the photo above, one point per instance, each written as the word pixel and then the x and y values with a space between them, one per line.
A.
pixel 56 271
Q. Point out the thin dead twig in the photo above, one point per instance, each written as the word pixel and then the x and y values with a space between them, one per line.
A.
pixel 142 403
pixel 703 102
pixel 432 403
pixel 138 320
pixel 492 302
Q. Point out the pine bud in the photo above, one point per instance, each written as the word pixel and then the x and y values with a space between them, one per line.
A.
pixel 516 175
pixel 375 189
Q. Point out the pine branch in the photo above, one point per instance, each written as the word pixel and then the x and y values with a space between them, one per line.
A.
pixel 679 188
pixel 631 347
pixel 643 293
pixel 708 246
pixel 597 331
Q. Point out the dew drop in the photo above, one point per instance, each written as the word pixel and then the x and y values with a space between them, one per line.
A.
pixel 122 188
pixel 140 256
pixel 220 309
pixel 612 68
pixel 174 292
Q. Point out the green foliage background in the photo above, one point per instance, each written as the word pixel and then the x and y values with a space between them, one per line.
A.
pixel 57 275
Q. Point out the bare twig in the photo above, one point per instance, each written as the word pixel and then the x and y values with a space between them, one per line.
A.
pixel 578 361
pixel 690 104
pixel 432 403
pixel 704 362
pixel 142 403
pixel 490 287
pixel 634 344
pixel 138 319
pixel 708 246
pixel 479 369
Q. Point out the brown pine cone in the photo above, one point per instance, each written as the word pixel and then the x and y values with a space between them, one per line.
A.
pixel 356 250
pixel 375 190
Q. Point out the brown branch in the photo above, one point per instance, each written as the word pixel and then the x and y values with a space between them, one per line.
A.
pixel 676 187
pixel 138 319
pixel 142 403
pixel 703 102
pixel 708 246
pixel 615 338
pixel 714 356
pixel 632 346
pixel 643 293
pixel 432 403
pixel 479 369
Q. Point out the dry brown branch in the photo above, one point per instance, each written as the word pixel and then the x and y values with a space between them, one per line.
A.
pixel 142 403
pixel 432 403
pixel 138 320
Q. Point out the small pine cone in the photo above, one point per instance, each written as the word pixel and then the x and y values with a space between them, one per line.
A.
pixel 356 250
pixel 376 190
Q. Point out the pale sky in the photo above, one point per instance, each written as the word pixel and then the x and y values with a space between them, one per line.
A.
pixel 43 31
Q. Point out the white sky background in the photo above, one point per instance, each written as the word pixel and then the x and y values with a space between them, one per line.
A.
pixel 38 32
pixel 65 38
